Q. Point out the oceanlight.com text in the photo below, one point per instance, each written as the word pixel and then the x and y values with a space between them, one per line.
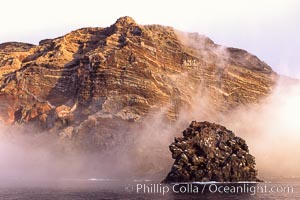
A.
pixel 213 188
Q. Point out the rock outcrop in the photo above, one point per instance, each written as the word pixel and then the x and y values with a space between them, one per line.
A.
pixel 103 77
pixel 210 152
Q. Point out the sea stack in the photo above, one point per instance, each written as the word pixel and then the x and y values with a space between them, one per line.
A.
pixel 209 152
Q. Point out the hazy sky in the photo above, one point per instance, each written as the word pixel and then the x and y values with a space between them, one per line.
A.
pixel 269 29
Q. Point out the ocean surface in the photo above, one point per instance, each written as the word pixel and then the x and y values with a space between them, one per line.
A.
pixel 90 189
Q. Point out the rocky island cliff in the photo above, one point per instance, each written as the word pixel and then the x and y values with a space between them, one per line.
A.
pixel 92 82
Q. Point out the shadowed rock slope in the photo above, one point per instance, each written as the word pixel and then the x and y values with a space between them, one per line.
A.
pixel 88 83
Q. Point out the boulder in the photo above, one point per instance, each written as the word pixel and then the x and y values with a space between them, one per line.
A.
pixel 209 152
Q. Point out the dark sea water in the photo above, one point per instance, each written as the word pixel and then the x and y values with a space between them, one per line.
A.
pixel 76 189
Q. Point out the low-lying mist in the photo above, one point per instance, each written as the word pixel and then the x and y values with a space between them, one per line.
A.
pixel 28 158
pixel 271 130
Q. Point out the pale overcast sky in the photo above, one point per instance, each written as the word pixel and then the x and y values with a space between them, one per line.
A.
pixel 269 29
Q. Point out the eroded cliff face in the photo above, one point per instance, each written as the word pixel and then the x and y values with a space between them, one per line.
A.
pixel 95 81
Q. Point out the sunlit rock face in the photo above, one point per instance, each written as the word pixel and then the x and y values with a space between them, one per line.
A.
pixel 92 82
pixel 210 152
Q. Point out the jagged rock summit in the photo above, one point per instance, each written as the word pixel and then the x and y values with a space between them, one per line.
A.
pixel 90 82
pixel 125 21
pixel 210 152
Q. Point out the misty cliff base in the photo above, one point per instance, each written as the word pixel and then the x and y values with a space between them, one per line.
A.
pixel 210 152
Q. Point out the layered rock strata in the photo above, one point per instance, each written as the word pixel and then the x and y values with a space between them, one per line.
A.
pixel 104 77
